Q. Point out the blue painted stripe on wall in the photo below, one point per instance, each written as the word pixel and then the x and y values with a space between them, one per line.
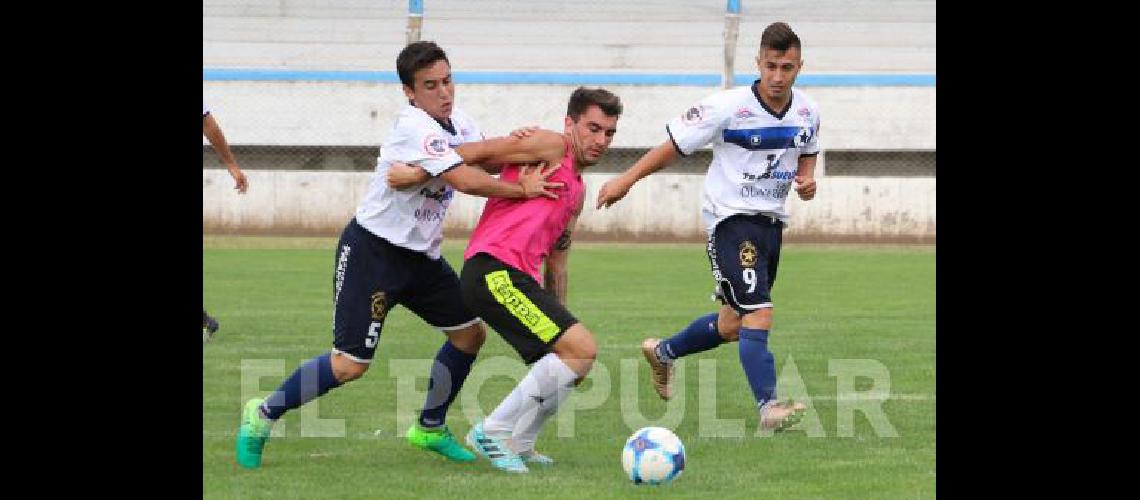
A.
pixel 489 77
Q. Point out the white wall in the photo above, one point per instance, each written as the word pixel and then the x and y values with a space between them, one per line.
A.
pixel 660 206
pixel 362 113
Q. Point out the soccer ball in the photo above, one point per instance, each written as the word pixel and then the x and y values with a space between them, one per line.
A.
pixel 653 455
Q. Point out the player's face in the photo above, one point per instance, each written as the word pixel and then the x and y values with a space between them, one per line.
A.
pixel 434 91
pixel 778 71
pixel 592 134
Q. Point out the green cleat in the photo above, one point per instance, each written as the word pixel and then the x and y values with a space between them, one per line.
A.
pixel 440 441
pixel 252 435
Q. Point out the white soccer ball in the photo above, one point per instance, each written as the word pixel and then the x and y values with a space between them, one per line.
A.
pixel 653 455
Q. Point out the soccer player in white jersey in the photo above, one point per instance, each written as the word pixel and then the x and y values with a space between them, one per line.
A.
pixel 764 137
pixel 389 254
pixel 217 138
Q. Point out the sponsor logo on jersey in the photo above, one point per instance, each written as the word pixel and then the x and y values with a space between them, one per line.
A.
pixel 435 145
pixel 694 115
pixel 441 195
pixel 804 112
pixel 744 114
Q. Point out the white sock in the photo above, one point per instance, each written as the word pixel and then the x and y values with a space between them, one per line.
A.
pixel 534 414
pixel 540 383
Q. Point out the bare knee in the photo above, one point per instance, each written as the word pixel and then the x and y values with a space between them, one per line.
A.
pixel 346 370
pixel 728 324
pixel 469 339
pixel 578 349
pixel 759 319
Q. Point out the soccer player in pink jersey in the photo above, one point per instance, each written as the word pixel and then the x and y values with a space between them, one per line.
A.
pixel 500 281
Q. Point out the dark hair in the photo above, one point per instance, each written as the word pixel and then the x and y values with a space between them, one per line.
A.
pixel 779 36
pixel 417 56
pixel 583 98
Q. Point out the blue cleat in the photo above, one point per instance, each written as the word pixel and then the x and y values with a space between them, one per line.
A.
pixel 496 450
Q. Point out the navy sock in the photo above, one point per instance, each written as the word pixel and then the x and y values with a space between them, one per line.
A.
pixel 759 364
pixel 308 382
pixel 700 335
pixel 447 376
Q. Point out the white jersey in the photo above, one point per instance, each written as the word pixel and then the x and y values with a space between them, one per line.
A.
pixel 756 150
pixel 413 217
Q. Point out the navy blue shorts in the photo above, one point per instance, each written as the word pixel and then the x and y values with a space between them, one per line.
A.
pixel 744 251
pixel 371 275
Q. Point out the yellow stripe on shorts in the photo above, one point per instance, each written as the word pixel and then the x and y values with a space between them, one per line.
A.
pixel 499 283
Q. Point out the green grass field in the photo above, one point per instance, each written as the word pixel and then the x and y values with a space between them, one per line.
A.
pixel 273 299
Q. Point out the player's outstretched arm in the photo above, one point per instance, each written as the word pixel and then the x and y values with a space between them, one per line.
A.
pixel 213 133
pixel 525 145
pixel 540 145
pixel 532 182
pixel 652 161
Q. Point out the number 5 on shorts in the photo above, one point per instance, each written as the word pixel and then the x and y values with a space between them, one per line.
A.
pixel 373 335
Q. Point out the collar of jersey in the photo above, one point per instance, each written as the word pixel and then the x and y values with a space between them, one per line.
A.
pixel 756 94
pixel 449 127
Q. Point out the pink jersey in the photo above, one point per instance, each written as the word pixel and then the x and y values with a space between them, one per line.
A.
pixel 520 232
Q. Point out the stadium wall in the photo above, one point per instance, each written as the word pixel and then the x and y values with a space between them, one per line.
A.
pixel 661 207
pixel 351 113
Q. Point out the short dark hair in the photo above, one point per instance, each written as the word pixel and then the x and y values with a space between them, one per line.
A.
pixel 779 36
pixel 417 56
pixel 583 98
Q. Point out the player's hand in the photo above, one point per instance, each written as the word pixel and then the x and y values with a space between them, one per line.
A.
pixel 533 180
pixel 401 175
pixel 241 184
pixel 805 187
pixel 612 191
pixel 524 132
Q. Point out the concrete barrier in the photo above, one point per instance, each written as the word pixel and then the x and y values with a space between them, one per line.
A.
pixel 660 207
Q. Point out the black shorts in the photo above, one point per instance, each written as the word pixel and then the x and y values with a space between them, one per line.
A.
pixel 371 275
pixel 528 317
pixel 744 251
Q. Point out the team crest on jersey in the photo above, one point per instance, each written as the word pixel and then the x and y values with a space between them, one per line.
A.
pixel 804 112
pixel 803 137
pixel 744 114
pixel 747 254
pixel 378 310
pixel 435 145
pixel 694 115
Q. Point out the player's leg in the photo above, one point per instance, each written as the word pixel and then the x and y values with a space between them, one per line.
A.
pixel 532 321
pixel 748 253
pixel 360 305
pixel 209 326
pixel 436 299
pixel 702 334
pixel 555 376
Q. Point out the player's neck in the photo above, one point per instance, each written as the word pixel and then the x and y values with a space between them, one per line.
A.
pixel 575 155
pixel 776 107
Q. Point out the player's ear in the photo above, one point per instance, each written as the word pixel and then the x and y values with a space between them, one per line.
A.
pixel 408 92
pixel 568 122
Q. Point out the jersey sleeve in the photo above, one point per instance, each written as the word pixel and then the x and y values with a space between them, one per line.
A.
pixel 811 147
pixel 426 147
pixel 698 125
